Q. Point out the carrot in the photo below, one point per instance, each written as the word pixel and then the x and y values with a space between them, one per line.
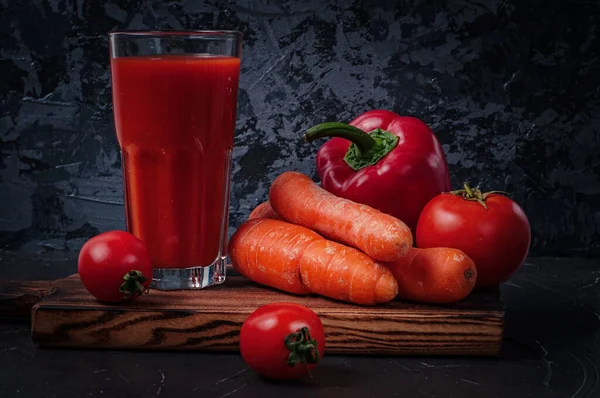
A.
pixel 297 260
pixel 299 200
pixel 264 210
pixel 435 275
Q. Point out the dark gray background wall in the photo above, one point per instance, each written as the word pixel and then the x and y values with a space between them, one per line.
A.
pixel 510 87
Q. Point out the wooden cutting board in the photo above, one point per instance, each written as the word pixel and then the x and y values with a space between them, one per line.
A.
pixel 63 314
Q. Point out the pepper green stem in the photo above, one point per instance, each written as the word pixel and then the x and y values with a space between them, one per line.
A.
pixel 366 148
pixel 362 140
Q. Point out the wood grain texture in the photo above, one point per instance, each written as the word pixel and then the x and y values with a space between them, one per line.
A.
pixel 210 320
pixel 17 298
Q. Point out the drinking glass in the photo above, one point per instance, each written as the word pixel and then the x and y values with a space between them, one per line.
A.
pixel 175 104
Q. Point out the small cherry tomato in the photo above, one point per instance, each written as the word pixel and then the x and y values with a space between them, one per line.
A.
pixel 115 266
pixel 282 341
pixel 490 228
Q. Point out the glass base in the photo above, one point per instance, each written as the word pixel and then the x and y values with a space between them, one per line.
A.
pixel 192 278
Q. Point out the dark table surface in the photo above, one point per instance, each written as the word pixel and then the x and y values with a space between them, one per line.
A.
pixel 551 349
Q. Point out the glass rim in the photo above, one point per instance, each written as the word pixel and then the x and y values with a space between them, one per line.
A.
pixel 234 34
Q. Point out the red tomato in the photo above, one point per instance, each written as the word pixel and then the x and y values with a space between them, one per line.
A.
pixel 282 341
pixel 115 266
pixel 497 238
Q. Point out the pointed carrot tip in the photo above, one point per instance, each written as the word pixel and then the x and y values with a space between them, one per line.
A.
pixel 386 289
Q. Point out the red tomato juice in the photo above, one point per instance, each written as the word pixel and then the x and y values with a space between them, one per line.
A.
pixel 175 119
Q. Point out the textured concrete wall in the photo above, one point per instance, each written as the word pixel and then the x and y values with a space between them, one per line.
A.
pixel 510 88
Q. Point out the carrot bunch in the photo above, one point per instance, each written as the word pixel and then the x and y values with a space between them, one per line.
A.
pixel 297 260
pixel 305 240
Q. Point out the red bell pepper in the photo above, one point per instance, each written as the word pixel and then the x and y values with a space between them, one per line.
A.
pixel 390 162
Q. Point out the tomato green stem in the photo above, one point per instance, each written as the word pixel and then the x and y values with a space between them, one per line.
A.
pixel 132 284
pixel 474 194
pixel 303 348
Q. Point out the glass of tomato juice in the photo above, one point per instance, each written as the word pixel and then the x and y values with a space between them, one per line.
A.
pixel 175 104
